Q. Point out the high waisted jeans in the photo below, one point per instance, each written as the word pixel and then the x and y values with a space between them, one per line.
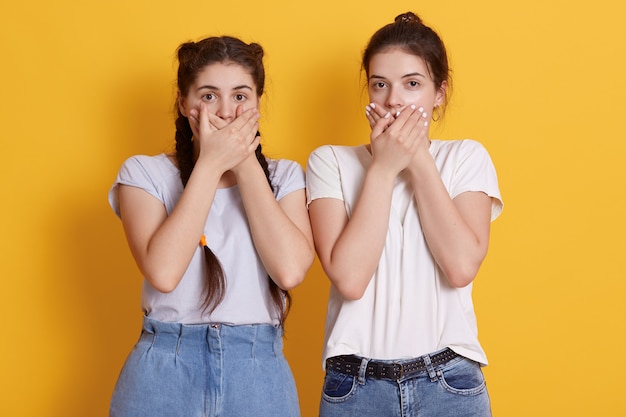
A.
pixel 454 389
pixel 212 370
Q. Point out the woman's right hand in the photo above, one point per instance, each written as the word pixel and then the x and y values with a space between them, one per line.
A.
pixel 225 145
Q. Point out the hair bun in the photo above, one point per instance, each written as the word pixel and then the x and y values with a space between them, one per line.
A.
pixel 408 17
pixel 257 50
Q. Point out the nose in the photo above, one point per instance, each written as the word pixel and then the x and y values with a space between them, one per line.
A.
pixel 226 111
pixel 394 99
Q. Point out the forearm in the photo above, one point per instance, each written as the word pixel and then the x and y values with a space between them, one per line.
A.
pixel 355 255
pixel 283 243
pixel 457 242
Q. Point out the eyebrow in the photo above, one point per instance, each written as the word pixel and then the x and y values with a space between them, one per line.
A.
pixel 212 87
pixel 412 74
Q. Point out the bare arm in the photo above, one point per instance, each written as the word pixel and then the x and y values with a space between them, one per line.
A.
pixel 350 249
pixel 456 231
pixel 280 230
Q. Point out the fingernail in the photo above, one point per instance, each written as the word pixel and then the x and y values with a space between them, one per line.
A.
pixel 425 123
pixel 367 113
pixel 388 115
pixel 421 109
pixel 372 105
pixel 413 107
pixel 424 114
pixel 397 114
pixel 368 108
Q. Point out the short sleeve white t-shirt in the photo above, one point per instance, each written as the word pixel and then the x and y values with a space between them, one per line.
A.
pixel 247 299
pixel 408 308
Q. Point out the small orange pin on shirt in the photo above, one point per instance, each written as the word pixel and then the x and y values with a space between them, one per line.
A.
pixel 203 240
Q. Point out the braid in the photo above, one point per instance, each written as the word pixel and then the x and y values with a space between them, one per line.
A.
pixel 184 148
pixel 215 281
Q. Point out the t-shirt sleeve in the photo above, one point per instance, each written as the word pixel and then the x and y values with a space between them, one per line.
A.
pixel 133 172
pixel 322 175
pixel 476 172
pixel 288 176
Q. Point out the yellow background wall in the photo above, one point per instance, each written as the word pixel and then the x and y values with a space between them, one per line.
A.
pixel 540 83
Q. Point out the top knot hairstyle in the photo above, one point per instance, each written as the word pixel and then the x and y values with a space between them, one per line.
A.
pixel 193 57
pixel 409 34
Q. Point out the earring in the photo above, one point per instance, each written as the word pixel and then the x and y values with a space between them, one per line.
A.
pixel 438 110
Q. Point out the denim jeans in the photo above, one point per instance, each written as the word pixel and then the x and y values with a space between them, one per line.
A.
pixel 206 370
pixel 454 389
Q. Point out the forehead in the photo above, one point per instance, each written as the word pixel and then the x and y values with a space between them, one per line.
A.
pixel 224 76
pixel 396 62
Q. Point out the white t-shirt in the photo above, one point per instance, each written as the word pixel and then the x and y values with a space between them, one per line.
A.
pixel 247 299
pixel 408 308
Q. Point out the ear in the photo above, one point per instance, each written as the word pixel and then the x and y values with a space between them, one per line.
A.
pixel 181 104
pixel 440 97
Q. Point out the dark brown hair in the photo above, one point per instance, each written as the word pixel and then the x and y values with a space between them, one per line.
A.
pixel 409 34
pixel 193 57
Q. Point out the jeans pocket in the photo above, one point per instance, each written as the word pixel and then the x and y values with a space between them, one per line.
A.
pixel 464 377
pixel 338 386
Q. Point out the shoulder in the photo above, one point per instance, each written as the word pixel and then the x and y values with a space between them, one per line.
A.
pixel 286 176
pixel 462 151
pixel 331 151
pixel 159 162
pixel 284 167
pixel 335 155
pixel 465 146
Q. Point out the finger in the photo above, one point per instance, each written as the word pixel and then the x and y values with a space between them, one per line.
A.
pixel 239 110
pixel 247 120
pixel 194 121
pixel 381 125
pixel 370 117
pixel 408 118
pixel 377 111
pixel 217 122
pixel 255 143
pixel 204 123
pixel 421 126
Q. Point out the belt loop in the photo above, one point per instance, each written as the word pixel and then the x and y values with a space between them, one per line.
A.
pixel 363 370
pixel 429 367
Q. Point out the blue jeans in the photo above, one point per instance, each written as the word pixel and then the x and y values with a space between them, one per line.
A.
pixel 454 389
pixel 206 370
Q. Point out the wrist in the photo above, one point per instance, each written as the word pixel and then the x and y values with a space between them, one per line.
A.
pixel 382 173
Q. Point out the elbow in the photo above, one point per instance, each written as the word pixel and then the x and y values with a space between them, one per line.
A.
pixel 162 281
pixel 351 293
pixel 350 288
pixel 461 270
pixel 462 275
pixel 288 282
pixel 290 276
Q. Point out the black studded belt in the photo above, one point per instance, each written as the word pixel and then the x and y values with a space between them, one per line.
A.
pixel 350 365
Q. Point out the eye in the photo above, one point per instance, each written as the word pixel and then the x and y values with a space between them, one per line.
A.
pixel 378 85
pixel 209 97
pixel 413 84
pixel 240 97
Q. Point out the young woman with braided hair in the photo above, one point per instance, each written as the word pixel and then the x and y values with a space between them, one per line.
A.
pixel 401 227
pixel 220 233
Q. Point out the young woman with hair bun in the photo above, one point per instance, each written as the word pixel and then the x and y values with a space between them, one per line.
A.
pixel 401 227
pixel 220 233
